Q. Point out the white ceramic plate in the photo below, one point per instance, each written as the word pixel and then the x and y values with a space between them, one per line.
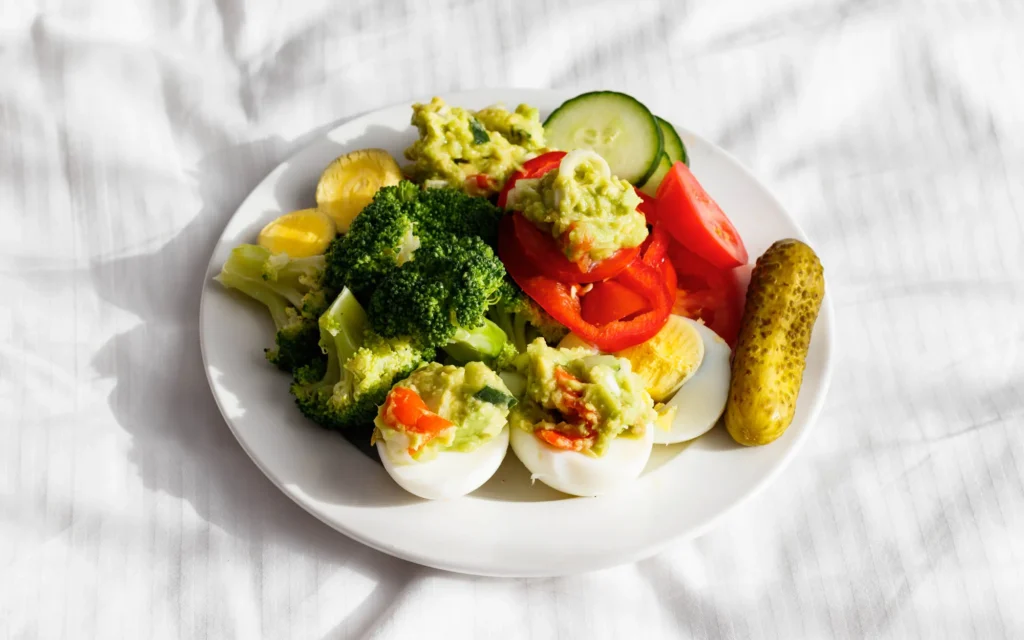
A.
pixel 508 527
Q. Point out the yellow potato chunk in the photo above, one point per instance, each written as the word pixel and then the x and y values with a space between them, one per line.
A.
pixel 299 234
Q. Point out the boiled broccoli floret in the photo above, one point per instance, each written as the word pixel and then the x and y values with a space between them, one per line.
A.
pixel 359 369
pixel 522 319
pixel 441 298
pixel 393 227
pixel 292 290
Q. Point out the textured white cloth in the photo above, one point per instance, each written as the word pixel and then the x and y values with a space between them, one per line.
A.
pixel 130 132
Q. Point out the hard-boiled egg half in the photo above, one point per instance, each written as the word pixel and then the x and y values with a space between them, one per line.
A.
pixel 700 402
pixel 585 423
pixel 687 366
pixel 442 432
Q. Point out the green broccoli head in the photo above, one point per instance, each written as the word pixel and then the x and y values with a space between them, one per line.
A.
pixel 360 368
pixel 296 344
pixel 447 287
pixel 522 319
pixel 392 228
pixel 294 293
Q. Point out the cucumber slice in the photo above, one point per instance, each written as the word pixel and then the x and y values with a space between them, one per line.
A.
pixel 674 146
pixel 651 186
pixel 617 126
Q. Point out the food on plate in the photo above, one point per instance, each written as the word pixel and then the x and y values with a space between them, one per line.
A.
pixel 441 298
pixel 685 369
pixel 474 151
pixel 706 293
pixel 696 221
pixel 617 126
pixel 650 186
pixel 421 315
pixel 349 183
pixel 700 401
pixel 292 290
pixel 441 432
pixel 523 320
pixel 588 212
pixel 783 299
pixel 299 234
pixel 585 423
pixel 673 146
pixel 664 362
pixel 343 389
pixel 421 261
pixel 399 221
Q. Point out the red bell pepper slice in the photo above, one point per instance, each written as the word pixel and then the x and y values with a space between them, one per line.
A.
pixel 561 300
pixel 541 249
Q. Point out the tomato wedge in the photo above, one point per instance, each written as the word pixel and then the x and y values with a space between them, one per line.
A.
pixel 405 408
pixel 560 299
pixel 696 221
pixel 541 249
pixel 706 293
pixel 533 168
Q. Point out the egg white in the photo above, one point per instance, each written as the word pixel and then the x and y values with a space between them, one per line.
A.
pixel 700 402
pixel 580 474
pixel 450 474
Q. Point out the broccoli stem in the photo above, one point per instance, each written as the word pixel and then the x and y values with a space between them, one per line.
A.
pixel 258 290
pixel 342 327
pixel 481 343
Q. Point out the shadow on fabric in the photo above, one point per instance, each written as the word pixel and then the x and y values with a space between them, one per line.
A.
pixel 181 445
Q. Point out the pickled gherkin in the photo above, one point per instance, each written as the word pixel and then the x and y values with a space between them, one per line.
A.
pixel 786 289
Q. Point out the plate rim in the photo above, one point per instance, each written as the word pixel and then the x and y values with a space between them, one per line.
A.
pixel 825 323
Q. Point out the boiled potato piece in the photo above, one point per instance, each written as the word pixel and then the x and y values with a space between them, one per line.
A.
pixel 299 234
pixel 349 183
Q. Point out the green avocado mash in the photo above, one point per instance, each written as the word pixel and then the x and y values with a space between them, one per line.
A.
pixel 456 144
pixel 579 394
pixel 456 394
pixel 590 213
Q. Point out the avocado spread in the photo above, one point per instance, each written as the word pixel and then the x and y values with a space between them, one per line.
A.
pixel 590 213
pixel 583 395
pixel 456 145
pixel 459 395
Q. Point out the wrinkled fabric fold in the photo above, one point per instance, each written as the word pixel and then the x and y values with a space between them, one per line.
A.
pixel 892 131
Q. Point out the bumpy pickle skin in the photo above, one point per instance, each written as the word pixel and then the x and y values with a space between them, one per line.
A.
pixel 785 294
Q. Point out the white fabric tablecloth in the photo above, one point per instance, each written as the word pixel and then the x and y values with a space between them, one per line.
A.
pixel 130 132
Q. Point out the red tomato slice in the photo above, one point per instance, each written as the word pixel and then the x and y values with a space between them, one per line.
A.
pixel 533 168
pixel 432 423
pixel 559 440
pixel 404 406
pixel 541 249
pixel 706 293
pixel 405 409
pixel 560 299
pixel 696 221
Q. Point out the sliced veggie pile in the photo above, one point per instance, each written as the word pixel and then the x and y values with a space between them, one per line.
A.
pixel 685 265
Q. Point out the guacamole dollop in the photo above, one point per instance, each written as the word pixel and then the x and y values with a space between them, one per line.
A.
pixel 473 398
pixel 581 394
pixel 590 213
pixel 456 144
